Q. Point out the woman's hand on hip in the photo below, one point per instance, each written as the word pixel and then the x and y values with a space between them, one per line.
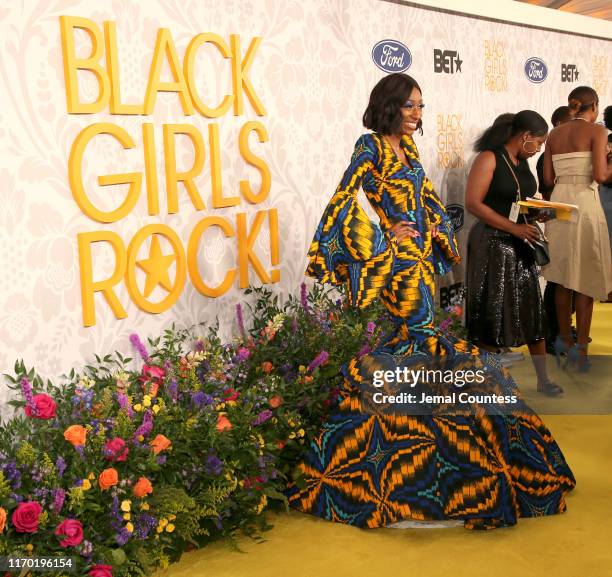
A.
pixel 403 229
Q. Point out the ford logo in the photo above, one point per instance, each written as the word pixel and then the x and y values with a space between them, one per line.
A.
pixel 456 214
pixel 536 69
pixel 391 56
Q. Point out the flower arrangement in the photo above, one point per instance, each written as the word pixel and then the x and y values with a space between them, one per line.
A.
pixel 131 462
pixel 450 318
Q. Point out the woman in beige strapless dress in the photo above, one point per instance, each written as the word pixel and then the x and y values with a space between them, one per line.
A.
pixel 575 161
pixel 580 247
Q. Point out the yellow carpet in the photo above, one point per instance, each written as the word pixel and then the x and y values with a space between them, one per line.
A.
pixel 574 544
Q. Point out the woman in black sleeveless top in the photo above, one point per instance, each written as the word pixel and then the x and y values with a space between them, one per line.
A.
pixel 504 302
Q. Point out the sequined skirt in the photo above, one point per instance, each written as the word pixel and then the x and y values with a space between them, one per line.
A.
pixel 504 302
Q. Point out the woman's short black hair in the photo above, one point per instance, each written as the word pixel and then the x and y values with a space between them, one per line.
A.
pixel 508 125
pixel 383 114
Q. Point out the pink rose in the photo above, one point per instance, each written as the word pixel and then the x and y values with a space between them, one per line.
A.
pixel 101 571
pixel 71 530
pixel 153 372
pixel 116 450
pixel 44 406
pixel 25 517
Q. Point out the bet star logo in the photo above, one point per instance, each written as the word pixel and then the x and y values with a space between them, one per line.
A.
pixel 569 73
pixel 447 61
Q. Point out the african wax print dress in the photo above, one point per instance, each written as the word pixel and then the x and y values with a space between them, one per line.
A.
pixel 481 463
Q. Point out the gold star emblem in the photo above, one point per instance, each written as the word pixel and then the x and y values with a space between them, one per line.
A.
pixel 156 268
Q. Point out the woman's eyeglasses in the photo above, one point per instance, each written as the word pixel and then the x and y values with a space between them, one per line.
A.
pixel 410 105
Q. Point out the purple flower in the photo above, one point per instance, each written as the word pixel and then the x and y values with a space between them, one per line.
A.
pixel 370 329
pixel 146 427
pixel 144 524
pixel 60 465
pixel 137 344
pixel 243 354
pixel 161 460
pixel 58 499
pixel 124 403
pixel 304 297
pixel 200 399
pixel 262 417
pixel 122 536
pixel 364 350
pixel 213 465
pixel 26 389
pixel 116 517
pixel 446 323
pixel 172 389
pixel 12 474
pixel 240 320
pixel 86 548
pixel 320 359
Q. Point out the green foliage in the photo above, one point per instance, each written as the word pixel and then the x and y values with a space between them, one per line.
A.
pixel 215 429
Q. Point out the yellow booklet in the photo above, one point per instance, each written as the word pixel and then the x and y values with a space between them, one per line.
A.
pixel 562 210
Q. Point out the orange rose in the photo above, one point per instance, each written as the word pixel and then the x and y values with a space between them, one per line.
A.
pixel 2 519
pixel 275 401
pixel 76 434
pixel 160 443
pixel 267 366
pixel 108 478
pixel 142 487
pixel 223 423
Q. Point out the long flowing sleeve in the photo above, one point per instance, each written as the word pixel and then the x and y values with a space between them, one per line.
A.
pixel 348 248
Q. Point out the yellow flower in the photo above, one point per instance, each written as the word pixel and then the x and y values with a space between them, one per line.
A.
pixel 29 547
pixel 231 403
pixel 156 409
pixel 127 516
pixel 291 423
pixel 86 485
pixel 171 517
pixel 302 369
pixel 301 433
pixel 292 435
pixel 146 401
pixel 163 522
pixel 126 505
pixel 91 476
pixel 129 527
pixel 220 406
pixel 141 438
pixel 262 504
pixel 160 529
pixel 137 407
pixel 170 528
pixel 144 506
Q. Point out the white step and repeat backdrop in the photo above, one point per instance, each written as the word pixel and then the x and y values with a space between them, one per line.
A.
pixel 160 155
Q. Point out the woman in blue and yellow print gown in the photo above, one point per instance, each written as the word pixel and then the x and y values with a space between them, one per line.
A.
pixel 369 468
